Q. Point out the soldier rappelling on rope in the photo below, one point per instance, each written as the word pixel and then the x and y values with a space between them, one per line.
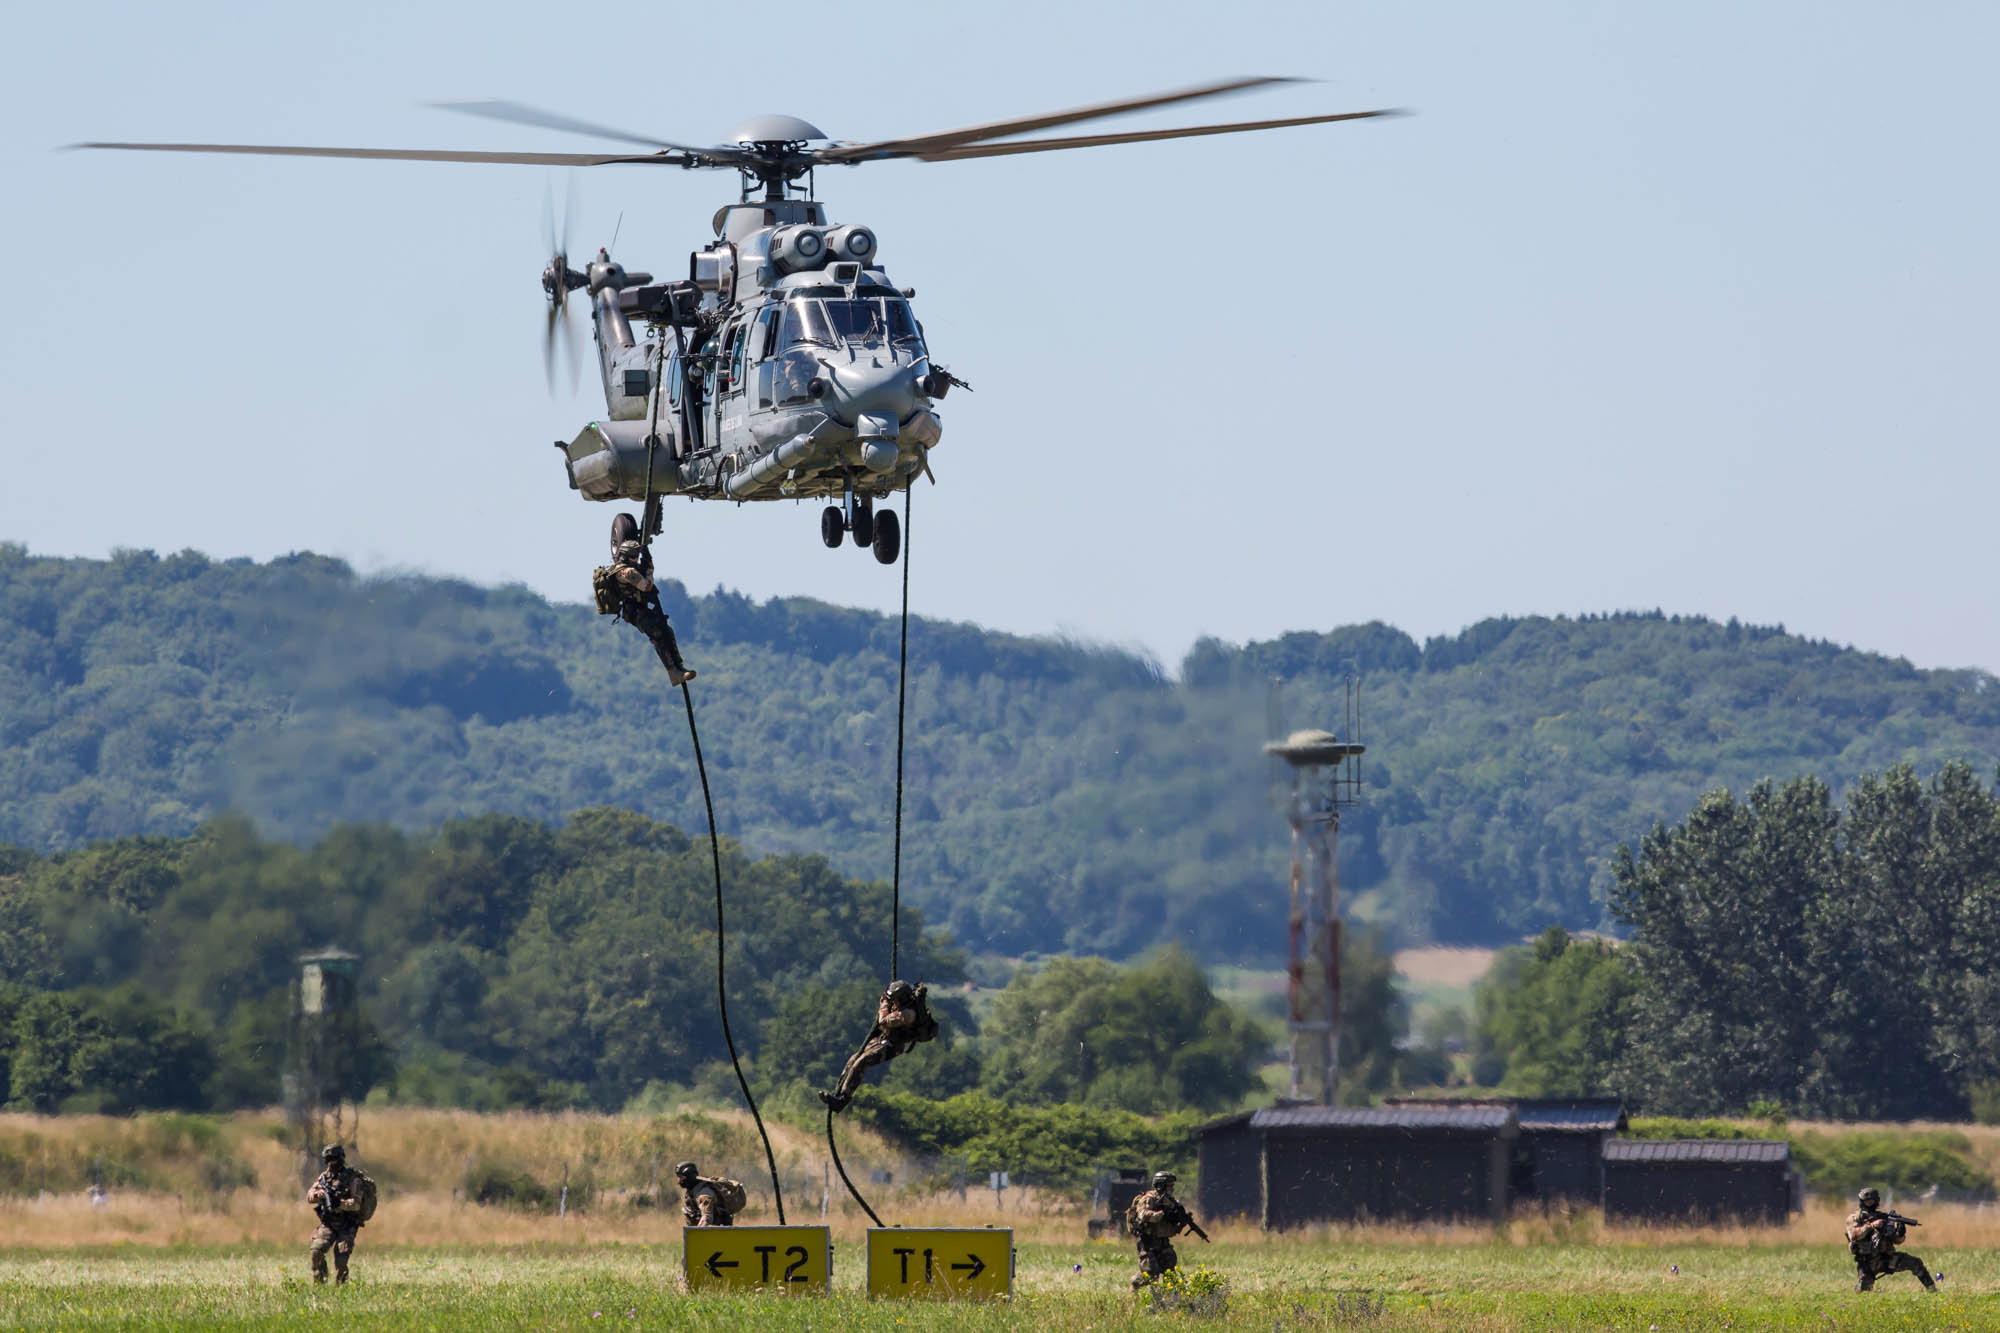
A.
pixel 902 1019
pixel 625 588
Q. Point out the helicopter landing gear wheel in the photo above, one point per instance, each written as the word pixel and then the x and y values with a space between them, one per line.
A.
pixel 831 526
pixel 864 523
pixel 624 528
pixel 888 537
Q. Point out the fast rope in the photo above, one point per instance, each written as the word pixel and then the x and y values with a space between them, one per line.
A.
pixel 721 992
pixel 834 1148
pixel 902 690
pixel 896 870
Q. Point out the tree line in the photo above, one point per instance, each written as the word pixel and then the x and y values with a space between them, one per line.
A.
pixel 1788 954
pixel 507 963
pixel 1062 797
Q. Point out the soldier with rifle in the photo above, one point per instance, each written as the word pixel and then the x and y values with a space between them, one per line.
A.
pixel 1154 1219
pixel 1872 1238
pixel 343 1199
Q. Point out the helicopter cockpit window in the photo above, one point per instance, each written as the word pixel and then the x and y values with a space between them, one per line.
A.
pixel 863 321
pixel 806 322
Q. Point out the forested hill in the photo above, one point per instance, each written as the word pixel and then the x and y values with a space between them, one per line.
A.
pixel 1061 796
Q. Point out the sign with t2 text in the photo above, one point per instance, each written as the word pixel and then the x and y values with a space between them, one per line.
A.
pixel 794 1259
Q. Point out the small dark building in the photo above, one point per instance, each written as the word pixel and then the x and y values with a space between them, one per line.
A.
pixel 1558 1156
pixel 1326 1164
pixel 1706 1181
pixel 1229 1180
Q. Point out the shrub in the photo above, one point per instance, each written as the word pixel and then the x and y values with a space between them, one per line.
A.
pixel 1904 1162
pixel 496 1184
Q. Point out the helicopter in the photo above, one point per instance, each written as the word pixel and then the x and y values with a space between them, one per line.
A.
pixel 786 365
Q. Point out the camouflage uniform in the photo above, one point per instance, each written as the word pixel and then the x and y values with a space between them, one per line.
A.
pixel 701 1205
pixel 902 1019
pixel 1154 1219
pixel 1872 1237
pixel 335 1196
pixel 625 588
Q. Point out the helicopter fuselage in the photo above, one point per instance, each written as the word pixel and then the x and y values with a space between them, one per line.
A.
pixel 787 366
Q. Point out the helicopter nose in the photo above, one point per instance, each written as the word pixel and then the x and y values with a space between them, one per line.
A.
pixel 873 391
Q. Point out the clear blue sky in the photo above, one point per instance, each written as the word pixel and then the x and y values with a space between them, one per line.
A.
pixel 1686 306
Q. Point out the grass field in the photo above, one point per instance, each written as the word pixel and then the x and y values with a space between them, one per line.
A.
pixel 1435 1283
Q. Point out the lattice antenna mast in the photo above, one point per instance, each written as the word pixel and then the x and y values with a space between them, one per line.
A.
pixel 1326 779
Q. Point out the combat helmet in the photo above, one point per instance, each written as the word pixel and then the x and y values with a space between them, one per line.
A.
pixel 1869 1198
pixel 332 1153
pixel 1164 1179
pixel 901 990
pixel 684 1171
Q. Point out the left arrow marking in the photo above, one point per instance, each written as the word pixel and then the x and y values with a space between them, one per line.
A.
pixel 716 1263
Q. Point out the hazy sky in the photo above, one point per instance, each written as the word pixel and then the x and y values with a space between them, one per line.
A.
pixel 1648 305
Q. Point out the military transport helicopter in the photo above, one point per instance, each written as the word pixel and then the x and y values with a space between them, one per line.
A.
pixel 786 365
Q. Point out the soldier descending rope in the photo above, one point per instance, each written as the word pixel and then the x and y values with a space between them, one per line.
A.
pixel 625 588
pixel 902 1019
pixel 1154 1219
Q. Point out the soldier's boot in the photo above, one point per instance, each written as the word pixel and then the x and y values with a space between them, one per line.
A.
pixel 836 1101
pixel 668 650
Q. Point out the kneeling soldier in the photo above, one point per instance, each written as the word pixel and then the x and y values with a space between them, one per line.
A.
pixel 708 1201
pixel 1872 1238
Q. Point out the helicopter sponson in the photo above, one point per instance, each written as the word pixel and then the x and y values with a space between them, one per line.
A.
pixel 786 366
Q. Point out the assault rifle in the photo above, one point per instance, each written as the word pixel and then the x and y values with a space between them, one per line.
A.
pixel 1183 1219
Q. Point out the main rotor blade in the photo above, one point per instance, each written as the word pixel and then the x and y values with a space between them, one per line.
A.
pixel 404 154
pixel 520 114
pixel 926 143
pixel 1137 136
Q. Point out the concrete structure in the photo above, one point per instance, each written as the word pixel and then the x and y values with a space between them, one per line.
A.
pixel 1317 1164
pixel 1705 1181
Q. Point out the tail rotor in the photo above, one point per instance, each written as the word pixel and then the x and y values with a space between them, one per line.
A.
pixel 558 281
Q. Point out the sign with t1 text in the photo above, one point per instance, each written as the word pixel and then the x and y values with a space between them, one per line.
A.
pixel 794 1259
pixel 946 1263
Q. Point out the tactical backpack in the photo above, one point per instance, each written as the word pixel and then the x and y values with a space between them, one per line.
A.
pixel 364 1195
pixel 730 1193
pixel 604 587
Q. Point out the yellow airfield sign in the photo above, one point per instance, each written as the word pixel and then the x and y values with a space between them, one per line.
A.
pixel 963 1263
pixel 794 1259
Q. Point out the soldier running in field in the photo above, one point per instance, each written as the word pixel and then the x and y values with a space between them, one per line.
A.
pixel 1872 1238
pixel 1154 1219
pixel 708 1201
pixel 344 1199
pixel 625 588
pixel 902 1019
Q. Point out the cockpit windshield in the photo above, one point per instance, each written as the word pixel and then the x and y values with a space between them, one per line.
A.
pixel 862 321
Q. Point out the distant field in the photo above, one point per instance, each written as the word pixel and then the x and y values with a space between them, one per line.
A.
pixel 1443 967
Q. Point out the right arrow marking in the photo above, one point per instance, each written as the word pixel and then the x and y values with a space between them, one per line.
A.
pixel 977 1266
